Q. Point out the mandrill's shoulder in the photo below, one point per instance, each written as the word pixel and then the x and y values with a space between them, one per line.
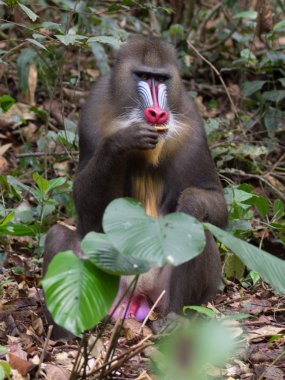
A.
pixel 97 108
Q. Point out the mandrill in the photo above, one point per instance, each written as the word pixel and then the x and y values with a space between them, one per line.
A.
pixel 140 136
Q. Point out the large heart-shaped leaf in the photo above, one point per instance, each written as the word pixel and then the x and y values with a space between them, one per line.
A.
pixel 78 294
pixel 270 268
pixel 175 238
pixel 103 254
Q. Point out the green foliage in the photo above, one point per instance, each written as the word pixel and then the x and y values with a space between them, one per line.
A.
pixel 5 371
pixel 6 102
pixel 77 293
pixel 254 258
pixel 64 44
pixel 172 239
pixel 132 243
pixel 251 215
pixel 27 220
pixel 101 253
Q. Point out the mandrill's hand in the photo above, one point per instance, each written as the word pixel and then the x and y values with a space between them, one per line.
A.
pixel 141 136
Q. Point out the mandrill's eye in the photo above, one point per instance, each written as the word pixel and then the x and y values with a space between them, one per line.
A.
pixel 142 76
pixel 157 77
pixel 161 79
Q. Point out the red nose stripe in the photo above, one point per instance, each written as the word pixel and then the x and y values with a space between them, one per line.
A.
pixel 155 114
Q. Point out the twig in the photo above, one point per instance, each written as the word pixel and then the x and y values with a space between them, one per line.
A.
pixel 44 351
pixel 43 154
pixel 272 364
pixel 123 357
pixel 113 337
pixel 276 164
pixel 14 49
pixel 191 46
pixel 259 177
pixel 129 356
pixel 151 310
pixel 218 43
pixel 208 17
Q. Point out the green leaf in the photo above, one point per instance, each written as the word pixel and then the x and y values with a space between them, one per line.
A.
pixel 52 26
pixel 247 55
pixel 249 88
pixel 6 102
pixel 24 213
pixel 20 229
pixel 234 195
pixel 176 30
pixel 282 80
pixel 274 96
pixel 273 56
pixel 173 239
pixel 11 3
pixel 253 151
pixel 262 205
pixel 36 43
pixel 254 276
pixel 252 15
pixel 270 268
pixel 16 184
pixel 273 120
pixel 5 370
pixel 7 219
pixel 67 137
pixel 56 183
pixel 236 317
pixel 114 42
pixel 41 182
pixel 200 309
pixel 32 15
pixel 102 254
pixel 46 207
pixel 278 208
pixel 234 267
pixel 78 294
pixel 69 39
pixel 279 25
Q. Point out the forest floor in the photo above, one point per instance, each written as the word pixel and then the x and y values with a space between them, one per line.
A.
pixel 32 127
pixel 23 331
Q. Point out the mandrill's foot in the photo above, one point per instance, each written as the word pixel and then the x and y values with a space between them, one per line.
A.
pixel 138 308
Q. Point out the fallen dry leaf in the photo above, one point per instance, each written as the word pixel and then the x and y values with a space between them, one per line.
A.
pixel 93 73
pixel 4 165
pixel 54 108
pixel 132 329
pixel 56 373
pixel 265 331
pixel 29 131
pixel 269 372
pixel 38 326
pixel 4 148
pixel 61 168
pixel 21 365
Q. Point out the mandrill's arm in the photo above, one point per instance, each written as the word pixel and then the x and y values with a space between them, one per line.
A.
pixel 101 174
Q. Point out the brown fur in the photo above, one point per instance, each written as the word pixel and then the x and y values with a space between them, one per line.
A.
pixel 121 155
